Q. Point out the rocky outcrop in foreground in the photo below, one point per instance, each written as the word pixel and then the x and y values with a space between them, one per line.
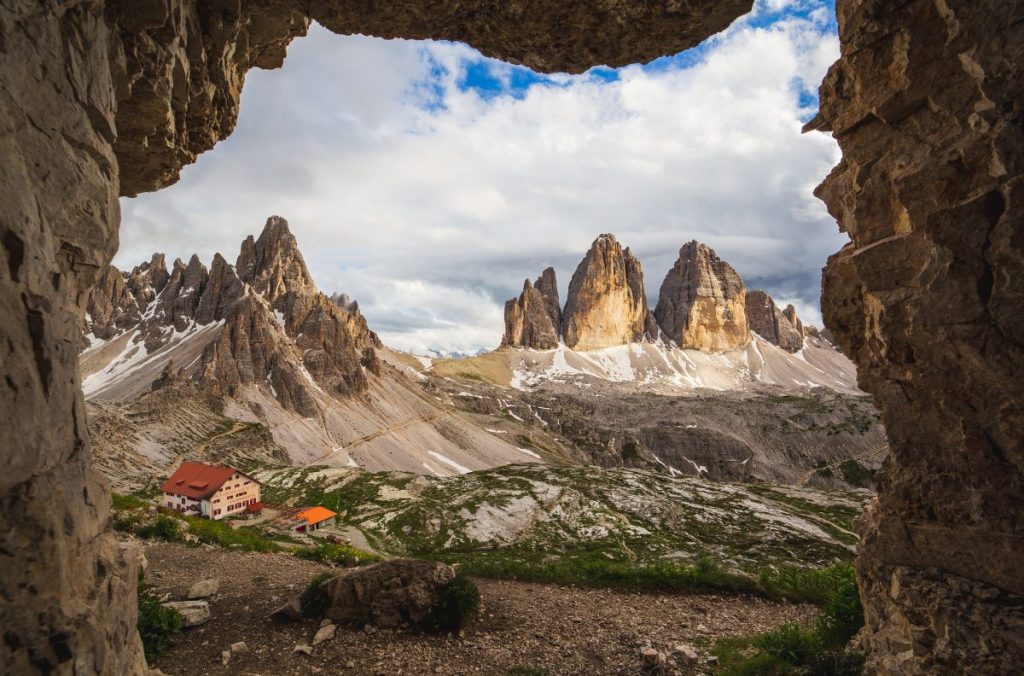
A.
pixel 778 327
pixel 701 302
pixel 534 319
pixel 606 304
pixel 926 298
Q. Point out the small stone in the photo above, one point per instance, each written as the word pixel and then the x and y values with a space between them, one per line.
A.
pixel 289 612
pixel 204 589
pixel 350 665
pixel 326 621
pixel 303 649
pixel 193 613
pixel 324 633
pixel 239 647
pixel 225 657
pixel 687 654
pixel 652 657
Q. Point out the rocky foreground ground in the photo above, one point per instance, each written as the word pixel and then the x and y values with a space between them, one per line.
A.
pixel 523 628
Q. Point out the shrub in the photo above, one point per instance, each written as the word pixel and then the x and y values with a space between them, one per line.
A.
pixel 163 528
pixel 157 624
pixel 458 605
pixel 314 600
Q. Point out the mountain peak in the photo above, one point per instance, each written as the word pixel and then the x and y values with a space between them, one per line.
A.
pixel 701 301
pixel 606 304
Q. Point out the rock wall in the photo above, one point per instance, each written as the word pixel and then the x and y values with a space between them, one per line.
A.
pixel 926 103
pixel 701 302
pixel 67 593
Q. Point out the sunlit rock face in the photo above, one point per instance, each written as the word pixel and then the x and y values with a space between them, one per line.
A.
pixel 533 319
pixel 779 327
pixel 926 103
pixel 606 304
pixel 701 303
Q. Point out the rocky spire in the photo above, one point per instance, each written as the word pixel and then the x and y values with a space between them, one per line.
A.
pixel 529 321
pixel 547 285
pixel 701 302
pixel 774 325
pixel 606 304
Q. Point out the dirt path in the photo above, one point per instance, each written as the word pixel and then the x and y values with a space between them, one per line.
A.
pixel 564 630
pixel 381 432
pixel 864 455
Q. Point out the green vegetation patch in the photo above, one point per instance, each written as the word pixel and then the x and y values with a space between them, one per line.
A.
pixel 818 649
pixel 157 623
pixel 457 607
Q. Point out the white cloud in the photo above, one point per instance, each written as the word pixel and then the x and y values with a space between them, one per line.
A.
pixel 430 204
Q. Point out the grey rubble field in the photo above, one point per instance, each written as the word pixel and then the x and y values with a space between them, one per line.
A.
pixel 543 513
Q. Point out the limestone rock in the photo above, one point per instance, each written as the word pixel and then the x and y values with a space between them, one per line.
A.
pixel 533 319
pixel 778 327
pixel 606 304
pixel 386 594
pixel 193 613
pixel 701 302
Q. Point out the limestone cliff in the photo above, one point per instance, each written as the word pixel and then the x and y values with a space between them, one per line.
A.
pixel 606 304
pixel 701 302
pixel 779 327
pixel 534 318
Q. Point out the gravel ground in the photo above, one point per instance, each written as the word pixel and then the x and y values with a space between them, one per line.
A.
pixel 565 630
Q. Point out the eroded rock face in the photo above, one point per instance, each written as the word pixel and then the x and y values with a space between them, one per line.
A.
pixel 606 304
pixel 701 302
pixel 774 325
pixel 534 318
pixel 926 103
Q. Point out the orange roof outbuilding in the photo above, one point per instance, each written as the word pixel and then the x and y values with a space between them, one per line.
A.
pixel 197 480
pixel 315 515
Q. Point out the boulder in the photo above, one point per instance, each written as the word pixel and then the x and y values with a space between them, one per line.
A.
pixel 387 594
pixel 193 613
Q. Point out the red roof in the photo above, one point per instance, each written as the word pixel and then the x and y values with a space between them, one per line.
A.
pixel 196 480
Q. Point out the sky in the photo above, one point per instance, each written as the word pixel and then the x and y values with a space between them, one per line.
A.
pixel 427 181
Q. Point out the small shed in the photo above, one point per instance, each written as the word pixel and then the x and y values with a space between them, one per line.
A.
pixel 314 518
